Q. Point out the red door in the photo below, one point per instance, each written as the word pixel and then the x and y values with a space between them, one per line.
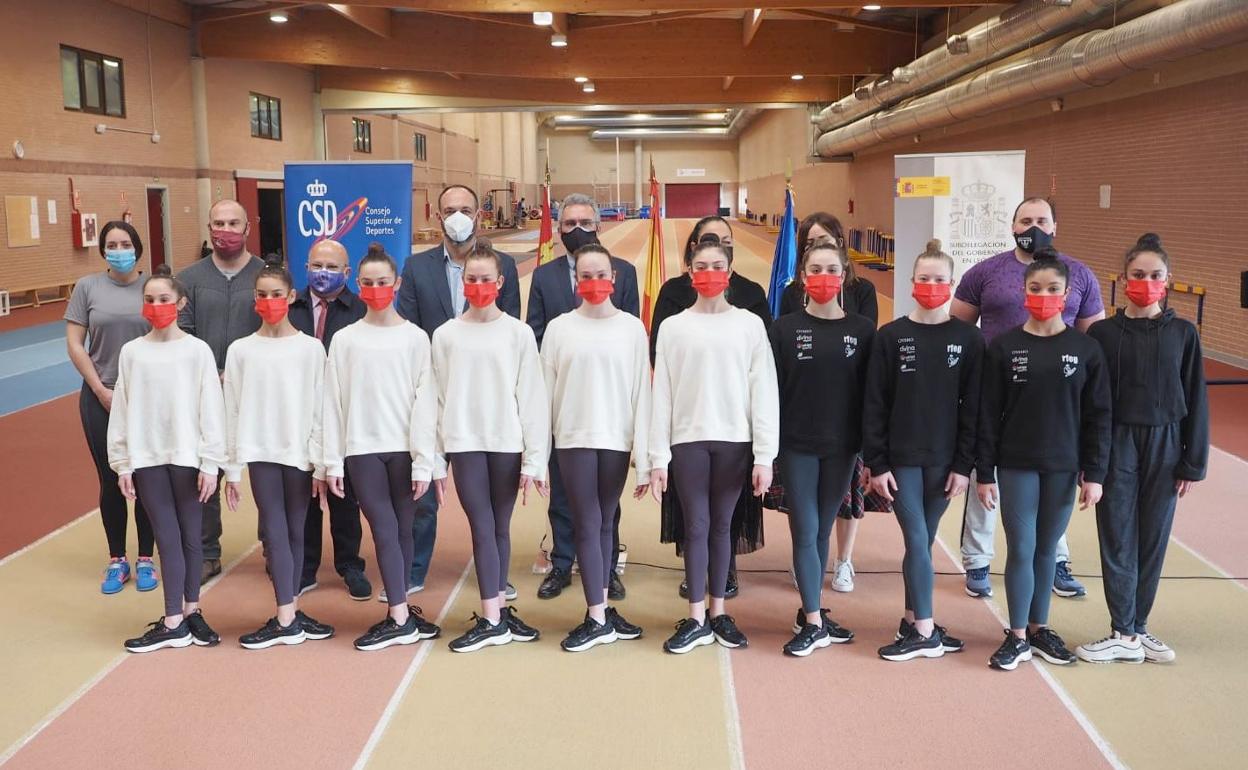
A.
pixel 691 200
pixel 249 197
pixel 156 227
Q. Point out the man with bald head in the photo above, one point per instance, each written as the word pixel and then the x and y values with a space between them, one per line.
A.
pixel 220 308
pixel 321 310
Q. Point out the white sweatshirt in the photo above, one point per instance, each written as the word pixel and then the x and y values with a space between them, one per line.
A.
pixel 714 380
pixel 598 378
pixel 491 397
pixel 379 396
pixel 167 407
pixel 273 389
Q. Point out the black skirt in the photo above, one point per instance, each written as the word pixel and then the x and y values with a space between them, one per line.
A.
pixel 747 520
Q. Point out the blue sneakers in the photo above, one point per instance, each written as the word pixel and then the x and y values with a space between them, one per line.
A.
pixel 145 575
pixel 115 576
pixel 1065 584
pixel 978 583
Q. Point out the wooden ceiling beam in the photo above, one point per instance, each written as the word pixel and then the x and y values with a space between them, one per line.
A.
pixel 172 11
pixel 605 22
pixel 853 20
pixel 674 49
pixel 607 6
pixel 372 18
pixel 752 20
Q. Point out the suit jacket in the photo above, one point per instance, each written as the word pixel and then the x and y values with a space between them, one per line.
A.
pixel 344 310
pixel 425 299
pixel 678 294
pixel 550 292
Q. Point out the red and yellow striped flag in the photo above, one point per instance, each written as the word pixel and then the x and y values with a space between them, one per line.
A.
pixel 656 265
pixel 546 235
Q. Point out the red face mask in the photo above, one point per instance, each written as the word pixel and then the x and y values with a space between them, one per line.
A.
pixel 481 294
pixel 710 283
pixel 1143 292
pixel 1044 306
pixel 594 290
pixel 272 309
pixel 823 287
pixel 160 316
pixel 228 243
pixel 931 295
pixel 377 297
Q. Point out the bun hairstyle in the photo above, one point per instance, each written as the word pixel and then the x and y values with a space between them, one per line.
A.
pixel 695 236
pixel 118 224
pixel 1046 259
pixel 1148 243
pixel 932 251
pixel 485 252
pixel 275 267
pixel 163 273
pixel 590 248
pixel 708 242
pixel 377 253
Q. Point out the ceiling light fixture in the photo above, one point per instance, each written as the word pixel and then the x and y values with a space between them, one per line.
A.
pixel 581 79
pixel 588 87
pixel 278 17
pixel 871 7
pixel 797 76
pixel 559 40
pixel 543 18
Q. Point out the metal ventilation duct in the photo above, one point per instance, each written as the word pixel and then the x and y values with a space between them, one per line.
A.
pixel 720 119
pixel 1022 25
pixel 1096 58
pixel 740 119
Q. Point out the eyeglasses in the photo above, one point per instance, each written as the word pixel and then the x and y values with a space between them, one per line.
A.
pixel 584 224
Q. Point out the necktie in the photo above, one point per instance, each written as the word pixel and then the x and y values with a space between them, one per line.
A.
pixel 320 319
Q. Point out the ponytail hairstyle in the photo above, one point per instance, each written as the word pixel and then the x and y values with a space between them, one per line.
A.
pixel 695 237
pixel 1046 259
pixel 274 267
pixel 1148 243
pixel 932 251
pixel 377 253
pixel 485 252
pixel 834 228
pixel 163 273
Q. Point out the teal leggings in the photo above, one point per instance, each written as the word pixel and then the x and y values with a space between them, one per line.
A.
pixel 1035 509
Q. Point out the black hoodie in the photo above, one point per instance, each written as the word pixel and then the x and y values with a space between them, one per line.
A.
pixel 1156 374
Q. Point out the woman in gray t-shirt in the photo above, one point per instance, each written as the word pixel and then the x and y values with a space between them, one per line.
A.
pixel 104 313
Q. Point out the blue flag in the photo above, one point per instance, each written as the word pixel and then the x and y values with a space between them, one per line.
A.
pixel 784 263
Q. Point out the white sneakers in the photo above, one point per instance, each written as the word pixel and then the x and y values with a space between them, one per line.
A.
pixel 843 576
pixel 1126 649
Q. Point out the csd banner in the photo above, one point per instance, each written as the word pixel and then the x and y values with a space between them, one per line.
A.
pixel 354 203
pixel 964 199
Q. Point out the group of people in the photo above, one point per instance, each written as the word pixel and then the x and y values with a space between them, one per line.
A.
pixel 371 402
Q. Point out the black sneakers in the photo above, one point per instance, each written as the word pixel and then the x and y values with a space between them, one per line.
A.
pixel 273 633
pixel 689 634
pixel 808 639
pixel 159 635
pixel 482 634
pixel 555 582
pixel 950 643
pixel 424 629
pixel 727 633
pixel 1011 652
pixel 837 633
pixel 313 628
pixel 731 588
pixel 615 587
pixel 589 633
pixel 388 633
pixel 1048 645
pixel 913 645
pixel 201 632
pixel 623 629
pixel 520 631
pixel 358 587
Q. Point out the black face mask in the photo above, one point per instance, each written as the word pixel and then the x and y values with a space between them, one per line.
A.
pixel 577 238
pixel 1032 239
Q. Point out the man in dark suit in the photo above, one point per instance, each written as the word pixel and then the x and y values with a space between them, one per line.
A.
pixel 552 293
pixel 431 294
pixel 321 310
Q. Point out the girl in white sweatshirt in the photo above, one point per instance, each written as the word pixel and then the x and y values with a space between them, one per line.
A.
pixel 715 406
pixel 273 383
pixel 379 420
pixel 494 427
pixel 166 440
pixel 598 378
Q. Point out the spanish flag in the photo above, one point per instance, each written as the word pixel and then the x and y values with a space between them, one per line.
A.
pixel 546 237
pixel 656 266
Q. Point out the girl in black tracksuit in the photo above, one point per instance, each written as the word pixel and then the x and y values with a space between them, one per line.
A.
pixel 922 400
pixel 1160 448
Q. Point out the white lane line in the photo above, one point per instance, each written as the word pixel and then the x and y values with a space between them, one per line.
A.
pixel 736 749
pixel 1093 734
pixel 49 536
pixel 392 707
pixel 1201 557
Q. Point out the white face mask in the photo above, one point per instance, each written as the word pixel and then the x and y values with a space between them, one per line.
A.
pixel 458 227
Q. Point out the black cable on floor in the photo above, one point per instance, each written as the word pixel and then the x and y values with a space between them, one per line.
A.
pixel 668 568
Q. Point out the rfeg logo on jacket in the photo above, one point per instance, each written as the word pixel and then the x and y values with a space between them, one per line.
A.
pixel 953 354
pixel 1070 364
pixel 851 345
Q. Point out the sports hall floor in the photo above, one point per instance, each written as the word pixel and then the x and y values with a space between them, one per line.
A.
pixel 70 698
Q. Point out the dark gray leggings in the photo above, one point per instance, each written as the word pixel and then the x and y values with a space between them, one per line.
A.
pixel 171 497
pixel 919 502
pixel 282 494
pixel 594 480
pixel 1035 509
pixel 487 484
pixel 707 476
pixel 383 485
pixel 814 487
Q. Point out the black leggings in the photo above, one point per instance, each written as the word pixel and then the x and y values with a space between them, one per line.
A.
pixel 112 503
pixel 594 480
pixel 708 481
pixel 282 494
pixel 383 485
pixel 487 484
pixel 172 495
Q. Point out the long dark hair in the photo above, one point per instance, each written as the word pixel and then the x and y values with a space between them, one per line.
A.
pixel 118 224
pixel 1046 259
pixel 695 235
pixel 833 226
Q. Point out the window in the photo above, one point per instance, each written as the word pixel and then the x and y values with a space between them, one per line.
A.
pixel 363 135
pixel 266 117
pixel 422 150
pixel 92 82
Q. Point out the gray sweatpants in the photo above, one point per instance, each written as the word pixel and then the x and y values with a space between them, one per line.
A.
pixel 979 531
